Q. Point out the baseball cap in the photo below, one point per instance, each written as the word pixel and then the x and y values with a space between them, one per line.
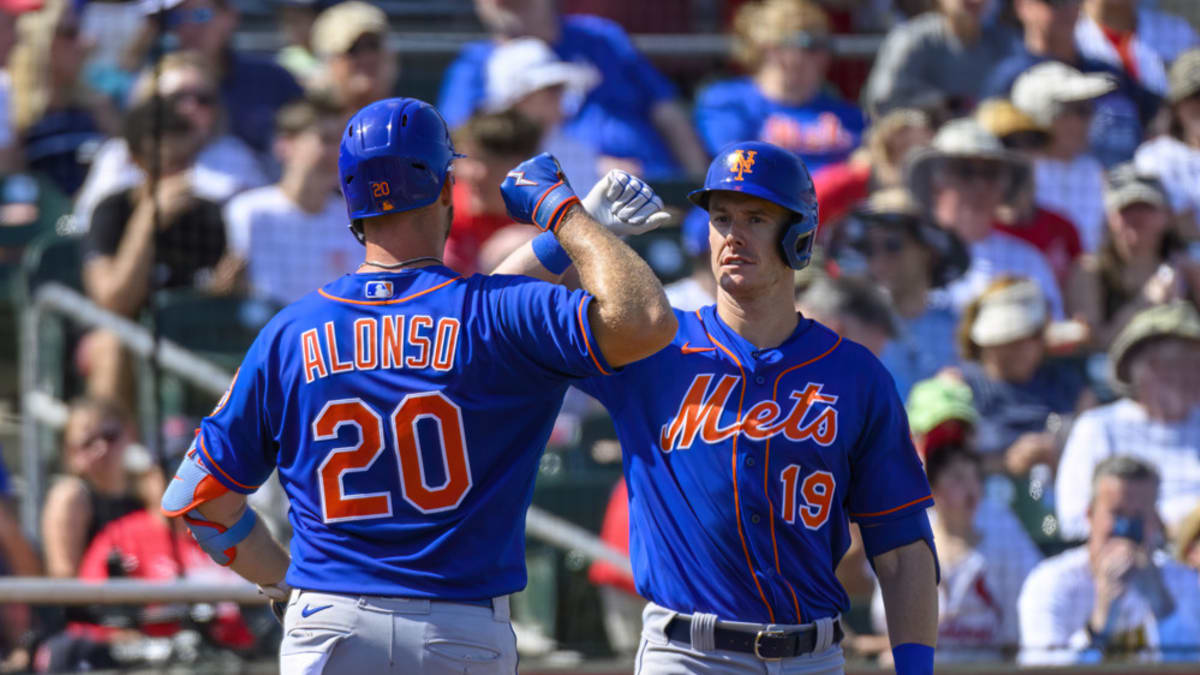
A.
pixel 1009 314
pixel 1177 319
pixel 939 399
pixel 522 66
pixel 1183 80
pixel 1041 90
pixel 337 28
pixel 1125 185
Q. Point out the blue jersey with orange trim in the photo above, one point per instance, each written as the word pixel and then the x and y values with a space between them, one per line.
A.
pixel 744 467
pixel 406 413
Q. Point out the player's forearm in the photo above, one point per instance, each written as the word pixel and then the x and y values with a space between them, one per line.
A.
pixel 525 262
pixel 630 316
pixel 259 558
pixel 908 580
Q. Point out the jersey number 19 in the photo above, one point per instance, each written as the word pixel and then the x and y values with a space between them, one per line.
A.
pixel 337 506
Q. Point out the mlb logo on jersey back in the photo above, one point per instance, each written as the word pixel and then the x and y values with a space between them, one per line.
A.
pixel 378 290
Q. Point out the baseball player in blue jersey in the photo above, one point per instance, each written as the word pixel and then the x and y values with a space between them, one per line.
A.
pixel 751 442
pixel 405 408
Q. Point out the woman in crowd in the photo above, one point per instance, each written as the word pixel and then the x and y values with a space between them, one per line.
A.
pixel 1142 261
pixel 1020 395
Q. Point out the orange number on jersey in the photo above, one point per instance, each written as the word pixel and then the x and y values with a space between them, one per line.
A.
pixel 334 502
pixel 448 417
pixel 817 491
pixel 337 506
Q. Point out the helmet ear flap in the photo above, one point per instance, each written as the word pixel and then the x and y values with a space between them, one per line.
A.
pixel 799 238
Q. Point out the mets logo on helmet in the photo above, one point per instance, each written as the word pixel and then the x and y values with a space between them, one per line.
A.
pixel 741 161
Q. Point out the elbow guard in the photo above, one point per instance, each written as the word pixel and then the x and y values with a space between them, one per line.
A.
pixel 883 537
pixel 192 486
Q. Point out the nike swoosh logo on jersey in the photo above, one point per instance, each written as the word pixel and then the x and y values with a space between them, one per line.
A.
pixel 695 350
pixel 309 610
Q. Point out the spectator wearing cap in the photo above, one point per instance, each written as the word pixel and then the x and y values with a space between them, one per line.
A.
pixel 854 308
pixel 1135 37
pixel 1142 262
pixel 252 88
pixel 1117 597
pixel 1155 362
pixel 698 289
pixel 945 54
pixel 889 241
pixel 525 75
pixel 357 65
pixel 1067 179
pixel 1048 34
pixel 493 144
pixel 295 19
pixel 878 165
pixel 785 46
pixel 1020 395
pixel 224 165
pixel 59 120
pixel 634 113
pixel 1055 236
pixel 1175 156
pixel 961 182
pixel 288 235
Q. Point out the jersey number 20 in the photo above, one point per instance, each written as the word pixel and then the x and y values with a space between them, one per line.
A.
pixel 337 506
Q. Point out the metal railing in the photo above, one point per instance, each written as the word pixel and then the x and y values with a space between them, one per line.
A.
pixel 40 408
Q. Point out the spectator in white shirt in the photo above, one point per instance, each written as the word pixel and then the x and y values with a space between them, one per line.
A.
pixel 962 180
pixel 1156 360
pixel 1175 157
pixel 1136 38
pixel 525 75
pixel 1118 596
pixel 290 235
pixel 1066 178
pixel 225 165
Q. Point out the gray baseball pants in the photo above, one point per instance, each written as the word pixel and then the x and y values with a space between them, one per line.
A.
pixel 372 635
pixel 659 655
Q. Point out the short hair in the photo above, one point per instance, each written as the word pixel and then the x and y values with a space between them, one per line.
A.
pixel 939 458
pixel 142 123
pixel 506 134
pixel 850 297
pixel 768 23
pixel 1124 467
pixel 299 116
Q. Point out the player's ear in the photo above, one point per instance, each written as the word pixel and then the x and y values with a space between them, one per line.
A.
pixel 447 196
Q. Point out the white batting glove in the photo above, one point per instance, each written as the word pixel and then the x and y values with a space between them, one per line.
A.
pixel 625 204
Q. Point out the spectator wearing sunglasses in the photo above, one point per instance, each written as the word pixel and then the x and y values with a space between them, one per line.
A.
pixel 785 46
pixel 224 165
pixel 61 122
pixel 357 65
pixel 1055 236
pixel 962 182
pixel 1048 34
pixel 890 242
pixel 252 89
pixel 1067 179
pixel 94 488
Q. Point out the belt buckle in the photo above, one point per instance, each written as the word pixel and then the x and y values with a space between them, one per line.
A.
pixel 767 633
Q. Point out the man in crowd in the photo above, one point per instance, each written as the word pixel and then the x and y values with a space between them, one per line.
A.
pixel 357 66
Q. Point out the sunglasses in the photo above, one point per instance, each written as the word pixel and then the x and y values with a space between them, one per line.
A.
pixel 1078 108
pixel 968 171
pixel 181 17
pixel 366 44
pixel 108 434
pixel 888 245
pixel 205 98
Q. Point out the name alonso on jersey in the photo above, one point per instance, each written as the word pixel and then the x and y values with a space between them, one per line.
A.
pixel 390 341
pixel 700 415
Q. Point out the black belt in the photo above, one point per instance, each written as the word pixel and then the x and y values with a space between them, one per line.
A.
pixel 765 644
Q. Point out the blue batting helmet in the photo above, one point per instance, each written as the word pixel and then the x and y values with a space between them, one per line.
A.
pixel 394 157
pixel 776 175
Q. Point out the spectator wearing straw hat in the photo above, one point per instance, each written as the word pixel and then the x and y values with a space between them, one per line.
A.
pixel 1142 262
pixel 962 181
pixel 1175 157
pixel 1048 34
pixel 357 65
pixel 1118 596
pixel 890 241
pixel 525 75
pixel 1067 179
pixel 1155 361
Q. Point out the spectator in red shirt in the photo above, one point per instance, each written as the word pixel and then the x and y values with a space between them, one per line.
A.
pixel 493 143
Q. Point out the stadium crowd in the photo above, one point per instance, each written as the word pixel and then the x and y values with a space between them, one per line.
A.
pixel 1010 221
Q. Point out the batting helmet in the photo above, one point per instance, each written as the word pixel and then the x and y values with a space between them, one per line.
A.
pixel 776 175
pixel 394 157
